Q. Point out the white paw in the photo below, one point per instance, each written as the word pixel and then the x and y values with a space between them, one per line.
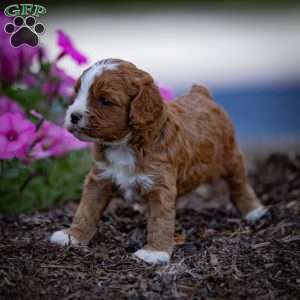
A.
pixel 152 256
pixel 63 239
pixel 256 214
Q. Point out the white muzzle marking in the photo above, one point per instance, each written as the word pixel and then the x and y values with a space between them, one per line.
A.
pixel 79 105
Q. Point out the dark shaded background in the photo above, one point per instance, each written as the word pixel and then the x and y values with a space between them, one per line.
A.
pixel 265 109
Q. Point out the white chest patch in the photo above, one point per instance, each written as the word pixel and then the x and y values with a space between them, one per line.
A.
pixel 120 168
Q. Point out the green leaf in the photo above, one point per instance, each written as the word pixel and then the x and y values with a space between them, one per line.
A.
pixel 10 172
pixel 28 98
pixel 46 67
pixel 42 183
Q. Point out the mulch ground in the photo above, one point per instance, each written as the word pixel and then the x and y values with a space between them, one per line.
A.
pixel 217 255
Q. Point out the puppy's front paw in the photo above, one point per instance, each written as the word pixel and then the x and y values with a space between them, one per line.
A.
pixel 256 214
pixel 62 238
pixel 152 256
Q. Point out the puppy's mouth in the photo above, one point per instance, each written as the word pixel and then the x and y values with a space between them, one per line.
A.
pixel 79 134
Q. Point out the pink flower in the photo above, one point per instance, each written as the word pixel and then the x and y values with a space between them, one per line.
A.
pixel 14 62
pixel 26 55
pixel 166 92
pixel 54 141
pixel 16 135
pixel 8 105
pixel 59 83
pixel 67 47
pixel 30 80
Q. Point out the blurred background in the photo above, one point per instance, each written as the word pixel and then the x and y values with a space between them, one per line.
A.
pixel 246 52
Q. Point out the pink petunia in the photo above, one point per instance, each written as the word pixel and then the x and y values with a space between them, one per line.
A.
pixel 16 135
pixel 64 41
pixel 55 141
pixel 59 83
pixel 8 105
pixel 166 92
pixel 30 80
pixel 14 62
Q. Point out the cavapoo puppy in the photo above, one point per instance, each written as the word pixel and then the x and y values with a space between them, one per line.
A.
pixel 144 147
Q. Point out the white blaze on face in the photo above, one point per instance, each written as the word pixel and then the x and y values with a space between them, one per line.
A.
pixel 79 105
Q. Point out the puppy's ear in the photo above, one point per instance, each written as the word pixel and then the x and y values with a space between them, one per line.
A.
pixel 147 107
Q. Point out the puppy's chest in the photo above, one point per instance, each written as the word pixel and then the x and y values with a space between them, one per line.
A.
pixel 120 168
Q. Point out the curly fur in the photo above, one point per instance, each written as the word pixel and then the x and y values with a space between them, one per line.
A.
pixel 158 151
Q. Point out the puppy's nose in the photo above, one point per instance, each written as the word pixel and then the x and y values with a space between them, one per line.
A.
pixel 75 118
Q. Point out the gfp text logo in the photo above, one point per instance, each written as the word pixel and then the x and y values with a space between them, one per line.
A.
pixel 24 29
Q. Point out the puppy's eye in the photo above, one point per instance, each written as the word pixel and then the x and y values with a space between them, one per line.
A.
pixel 105 101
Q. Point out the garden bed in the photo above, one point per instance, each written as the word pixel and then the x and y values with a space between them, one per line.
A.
pixel 217 255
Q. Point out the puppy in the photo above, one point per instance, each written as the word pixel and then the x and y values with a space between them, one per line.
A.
pixel 144 147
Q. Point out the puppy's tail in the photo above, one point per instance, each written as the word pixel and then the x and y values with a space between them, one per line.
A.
pixel 201 89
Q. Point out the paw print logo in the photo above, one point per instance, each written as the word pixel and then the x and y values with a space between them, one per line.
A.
pixel 24 31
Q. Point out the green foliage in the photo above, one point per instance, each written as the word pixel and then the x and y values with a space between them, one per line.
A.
pixel 43 90
pixel 42 183
pixel 29 98
pixel 32 98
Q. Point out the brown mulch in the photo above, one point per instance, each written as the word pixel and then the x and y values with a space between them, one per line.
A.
pixel 218 256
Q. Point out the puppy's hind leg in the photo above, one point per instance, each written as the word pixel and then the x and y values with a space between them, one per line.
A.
pixel 242 194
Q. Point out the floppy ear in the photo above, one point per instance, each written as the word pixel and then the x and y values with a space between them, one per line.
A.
pixel 147 107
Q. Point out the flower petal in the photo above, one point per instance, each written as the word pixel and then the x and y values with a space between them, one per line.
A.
pixel 8 105
pixel 26 137
pixel 166 92
pixel 67 46
pixel 5 123
pixel 14 146
pixel 20 124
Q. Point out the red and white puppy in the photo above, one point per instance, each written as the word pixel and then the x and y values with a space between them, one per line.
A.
pixel 144 147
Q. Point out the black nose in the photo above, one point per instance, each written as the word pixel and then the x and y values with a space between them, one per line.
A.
pixel 75 118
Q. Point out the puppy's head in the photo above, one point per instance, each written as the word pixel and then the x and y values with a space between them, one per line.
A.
pixel 113 99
